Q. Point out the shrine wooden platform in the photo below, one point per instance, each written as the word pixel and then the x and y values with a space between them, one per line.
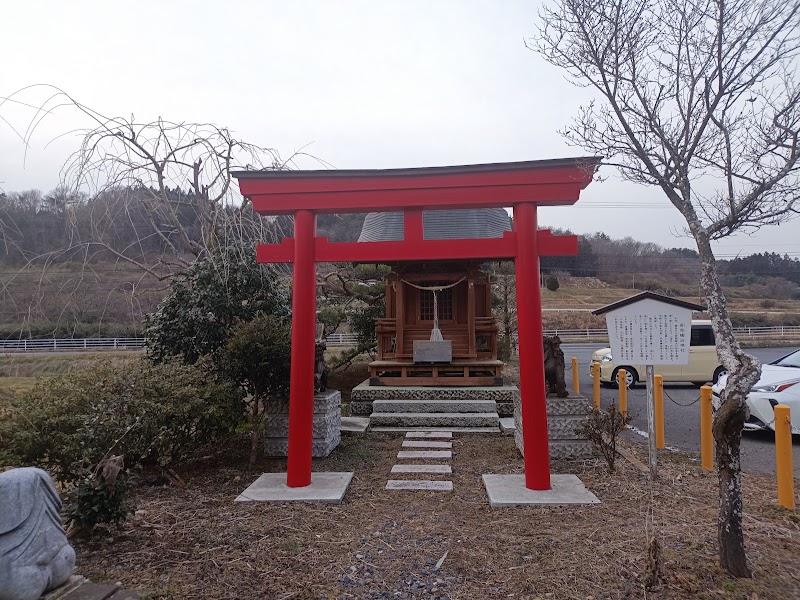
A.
pixel 457 372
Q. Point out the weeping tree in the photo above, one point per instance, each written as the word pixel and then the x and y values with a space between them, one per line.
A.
pixel 147 196
pixel 700 99
pixel 159 193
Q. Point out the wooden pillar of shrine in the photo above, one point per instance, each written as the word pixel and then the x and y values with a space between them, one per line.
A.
pixel 471 314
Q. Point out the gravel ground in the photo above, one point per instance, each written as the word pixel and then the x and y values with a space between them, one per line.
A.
pixel 189 540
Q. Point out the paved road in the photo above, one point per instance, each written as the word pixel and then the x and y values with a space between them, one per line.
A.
pixel 682 412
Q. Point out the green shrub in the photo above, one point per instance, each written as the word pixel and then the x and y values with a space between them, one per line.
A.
pixel 7 456
pixel 257 357
pixel 221 290
pixel 151 414
pixel 552 283
pixel 362 322
pixel 602 429
pixel 90 504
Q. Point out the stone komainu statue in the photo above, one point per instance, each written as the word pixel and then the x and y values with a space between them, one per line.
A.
pixel 34 553
pixel 554 367
pixel 320 368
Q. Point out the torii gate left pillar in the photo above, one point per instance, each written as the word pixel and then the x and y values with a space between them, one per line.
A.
pixel 301 383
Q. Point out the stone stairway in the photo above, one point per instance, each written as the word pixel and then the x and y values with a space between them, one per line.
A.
pixel 473 415
pixel 501 398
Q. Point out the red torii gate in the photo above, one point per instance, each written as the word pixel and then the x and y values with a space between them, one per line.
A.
pixel 522 185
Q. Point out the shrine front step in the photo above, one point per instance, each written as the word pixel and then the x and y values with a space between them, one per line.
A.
pixel 364 395
pixel 437 419
pixel 420 429
pixel 434 406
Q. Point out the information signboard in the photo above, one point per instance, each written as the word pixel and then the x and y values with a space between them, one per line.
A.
pixel 649 329
pixel 649 332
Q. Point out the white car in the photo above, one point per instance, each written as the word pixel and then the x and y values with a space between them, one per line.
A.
pixel 779 384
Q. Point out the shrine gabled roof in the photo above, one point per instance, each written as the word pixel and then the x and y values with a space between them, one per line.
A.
pixel 467 223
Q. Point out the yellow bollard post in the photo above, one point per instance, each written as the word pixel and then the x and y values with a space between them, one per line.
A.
pixel 783 456
pixel 576 383
pixel 706 437
pixel 596 385
pixel 659 401
pixel 622 378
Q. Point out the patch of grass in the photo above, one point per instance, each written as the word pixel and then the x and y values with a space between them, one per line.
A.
pixel 44 364
pixel 729 587
pixel 346 378
pixel 16 385
pixel 292 546
pixel 352 453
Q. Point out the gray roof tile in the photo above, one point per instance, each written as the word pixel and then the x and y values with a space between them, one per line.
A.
pixel 438 225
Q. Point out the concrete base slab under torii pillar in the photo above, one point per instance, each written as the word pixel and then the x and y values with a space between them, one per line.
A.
pixel 510 490
pixel 271 487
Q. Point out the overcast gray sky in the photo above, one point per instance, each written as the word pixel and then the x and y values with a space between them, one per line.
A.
pixel 359 84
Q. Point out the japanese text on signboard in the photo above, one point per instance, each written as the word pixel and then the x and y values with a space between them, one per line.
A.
pixel 653 339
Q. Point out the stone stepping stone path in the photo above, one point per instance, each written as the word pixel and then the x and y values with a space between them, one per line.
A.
pixel 425 454
pixel 433 486
pixel 438 469
pixel 427 445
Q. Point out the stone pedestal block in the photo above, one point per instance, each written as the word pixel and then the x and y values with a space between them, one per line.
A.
pixel 564 418
pixel 326 425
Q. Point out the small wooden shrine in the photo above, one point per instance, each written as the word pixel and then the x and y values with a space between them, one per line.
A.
pixel 439 328
pixel 456 297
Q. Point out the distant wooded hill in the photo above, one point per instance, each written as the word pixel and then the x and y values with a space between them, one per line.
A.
pixel 50 282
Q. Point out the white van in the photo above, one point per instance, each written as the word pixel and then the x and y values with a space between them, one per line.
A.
pixel 703 364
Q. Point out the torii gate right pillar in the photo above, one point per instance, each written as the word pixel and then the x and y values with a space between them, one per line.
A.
pixel 531 352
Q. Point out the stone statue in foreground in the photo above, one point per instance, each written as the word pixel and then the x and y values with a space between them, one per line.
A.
pixel 35 556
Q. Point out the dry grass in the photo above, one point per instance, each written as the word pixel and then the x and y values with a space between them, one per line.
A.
pixel 587 294
pixel 44 364
pixel 346 378
pixel 17 385
pixel 20 372
pixel 194 542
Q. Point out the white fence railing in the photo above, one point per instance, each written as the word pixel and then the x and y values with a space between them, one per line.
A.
pixel 342 340
pixel 68 344
pixel 779 331
pixel 335 340
pixel 348 340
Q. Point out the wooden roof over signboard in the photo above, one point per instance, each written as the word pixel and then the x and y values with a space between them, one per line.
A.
pixel 648 296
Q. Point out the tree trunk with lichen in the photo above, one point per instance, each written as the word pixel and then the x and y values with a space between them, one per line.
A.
pixel 744 371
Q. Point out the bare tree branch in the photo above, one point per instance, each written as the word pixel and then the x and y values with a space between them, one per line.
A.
pixel 702 99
